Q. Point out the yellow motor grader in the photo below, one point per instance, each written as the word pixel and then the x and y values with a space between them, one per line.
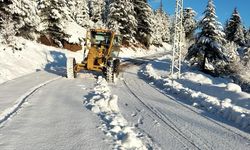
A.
pixel 102 48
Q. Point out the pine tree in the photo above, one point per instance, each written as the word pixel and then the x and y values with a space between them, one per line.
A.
pixel 121 18
pixel 247 38
pixel 165 28
pixel 246 57
pixel 59 16
pixel 144 17
pixel 210 40
pixel 246 52
pixel 43 8
pixel 7 31
pixel 24 15
pixel 234 29
pixel 161 27
pixel 96 10
pixel 79 12
pixel 189 22
pixel 106 11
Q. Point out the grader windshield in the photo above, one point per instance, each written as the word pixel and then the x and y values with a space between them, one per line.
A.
pixel 100 38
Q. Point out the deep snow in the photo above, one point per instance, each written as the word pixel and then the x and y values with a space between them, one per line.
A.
pixel 31 57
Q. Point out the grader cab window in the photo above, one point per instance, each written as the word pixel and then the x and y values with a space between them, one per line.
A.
pixel 117 42
pixel 100 38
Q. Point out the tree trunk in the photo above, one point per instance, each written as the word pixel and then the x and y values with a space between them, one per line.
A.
pixel 204 62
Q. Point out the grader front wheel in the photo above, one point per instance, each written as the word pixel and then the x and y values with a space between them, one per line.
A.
pixel 110 74
pixel 112 70
pixel 71 62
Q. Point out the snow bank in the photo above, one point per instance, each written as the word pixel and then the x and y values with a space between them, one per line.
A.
pixel 134 52
pixel 76 32
pixel 228 108
pixel 29 57
pixel 233 87
pixel 113 123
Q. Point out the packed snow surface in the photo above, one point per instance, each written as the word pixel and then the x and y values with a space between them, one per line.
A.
pixel 18 103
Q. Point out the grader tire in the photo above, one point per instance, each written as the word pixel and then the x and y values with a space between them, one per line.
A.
pixel 110 71
pixel 110 74
pixel 71 62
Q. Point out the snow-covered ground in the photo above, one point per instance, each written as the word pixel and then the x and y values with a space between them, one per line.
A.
pixel 88 113
pixel 133 52
pixel 31 57
pixel 216 95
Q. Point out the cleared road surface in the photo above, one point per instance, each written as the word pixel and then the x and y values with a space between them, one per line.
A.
pixel 54 118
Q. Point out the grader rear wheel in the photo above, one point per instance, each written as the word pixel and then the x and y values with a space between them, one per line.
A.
pixel 71 62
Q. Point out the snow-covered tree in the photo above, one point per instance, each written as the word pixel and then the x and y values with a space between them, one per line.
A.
pixel 234 29
pixel 59 16
pixel 246 57
pixel 161 27
pixel 231 52
pixel 79 11
pixel 208 47
pixel 189 22
pixel 106 11
pixel 144 17
pixel 43 8
pixel 247 37
pixel 165 28
pixel 24 14
pixel 96 10
pixel 7 31
pixel 121 18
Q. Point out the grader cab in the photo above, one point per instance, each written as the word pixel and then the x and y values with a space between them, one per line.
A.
pixel 102 48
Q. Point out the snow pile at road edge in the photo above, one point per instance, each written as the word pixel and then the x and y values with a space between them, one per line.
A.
pixel 113 123
pixel 212 104
pixel 135 52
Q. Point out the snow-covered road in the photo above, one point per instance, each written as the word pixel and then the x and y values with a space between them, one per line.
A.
pixel 171 124
pixel 55 117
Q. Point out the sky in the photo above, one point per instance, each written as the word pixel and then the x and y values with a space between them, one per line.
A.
pixel 224 8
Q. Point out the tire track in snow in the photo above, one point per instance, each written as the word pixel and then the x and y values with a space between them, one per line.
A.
pixel 204 142
pixel 192 134
pixel 176 130
pixel 9 112
pixel 207 118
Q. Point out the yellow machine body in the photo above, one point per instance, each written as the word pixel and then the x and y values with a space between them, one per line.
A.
pixel 99 44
